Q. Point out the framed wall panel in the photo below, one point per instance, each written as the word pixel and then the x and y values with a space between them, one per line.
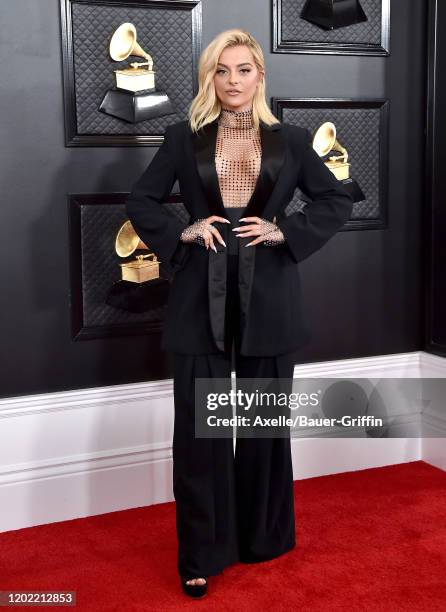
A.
pixel 169 30
pixel 362 127
pixel 94 221
pixel 292 34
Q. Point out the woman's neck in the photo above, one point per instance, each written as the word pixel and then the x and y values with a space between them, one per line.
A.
pixel 241 119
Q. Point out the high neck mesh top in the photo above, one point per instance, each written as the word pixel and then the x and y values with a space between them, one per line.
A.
pixel 237 156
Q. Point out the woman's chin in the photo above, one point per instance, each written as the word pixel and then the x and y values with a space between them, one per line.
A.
pixel 234 103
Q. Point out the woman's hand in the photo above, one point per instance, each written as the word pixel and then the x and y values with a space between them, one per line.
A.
pixel 267 231
pixel 202 232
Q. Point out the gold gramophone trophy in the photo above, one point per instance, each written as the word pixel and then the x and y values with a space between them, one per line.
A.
pixel 324 143
pixel 134 98
pixel 140 288
pixel 333 14
pixel 144 267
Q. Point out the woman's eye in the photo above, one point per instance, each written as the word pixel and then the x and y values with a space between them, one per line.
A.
pixel 242 70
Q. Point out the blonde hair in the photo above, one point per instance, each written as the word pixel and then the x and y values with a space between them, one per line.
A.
pixel 206 106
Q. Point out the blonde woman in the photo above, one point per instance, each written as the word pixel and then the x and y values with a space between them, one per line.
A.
pixel 235 297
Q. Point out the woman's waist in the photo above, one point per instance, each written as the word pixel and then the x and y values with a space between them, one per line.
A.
pixel 234 214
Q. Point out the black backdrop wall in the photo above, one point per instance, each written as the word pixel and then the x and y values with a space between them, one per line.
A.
pixel 435 252
pixel 363 290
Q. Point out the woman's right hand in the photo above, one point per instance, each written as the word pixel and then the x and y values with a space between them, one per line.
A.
pixel 203 233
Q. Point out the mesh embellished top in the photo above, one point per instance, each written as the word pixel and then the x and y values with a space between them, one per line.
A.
pixel 238 154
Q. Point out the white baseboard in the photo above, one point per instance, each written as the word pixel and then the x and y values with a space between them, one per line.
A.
pixel 80 453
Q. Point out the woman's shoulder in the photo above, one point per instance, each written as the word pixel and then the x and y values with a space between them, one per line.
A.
pixel 297 135
pixel 179 127
pixel 298 131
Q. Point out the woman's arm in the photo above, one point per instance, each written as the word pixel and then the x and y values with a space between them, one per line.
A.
pixel 331 206
pixel 156 227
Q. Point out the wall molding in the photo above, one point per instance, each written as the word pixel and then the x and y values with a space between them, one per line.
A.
pixel 78 453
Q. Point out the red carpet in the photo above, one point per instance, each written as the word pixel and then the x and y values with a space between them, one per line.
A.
pixel 368 540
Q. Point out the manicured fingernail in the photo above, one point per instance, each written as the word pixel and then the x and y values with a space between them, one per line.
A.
pixel 214 248
pixel 234 229
pixel 223 241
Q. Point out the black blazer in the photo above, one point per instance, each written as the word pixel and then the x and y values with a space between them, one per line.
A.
pixel 269 283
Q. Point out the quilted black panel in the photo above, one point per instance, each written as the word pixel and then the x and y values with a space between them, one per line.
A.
pixel 294 28
pixel 358 130
pixel 100 264
pixel 165 33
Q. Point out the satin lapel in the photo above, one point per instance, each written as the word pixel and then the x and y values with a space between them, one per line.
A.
pixel 273 157
pixel 217 272
pixel 204 145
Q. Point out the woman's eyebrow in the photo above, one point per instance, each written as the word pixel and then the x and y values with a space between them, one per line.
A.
pixel 244 64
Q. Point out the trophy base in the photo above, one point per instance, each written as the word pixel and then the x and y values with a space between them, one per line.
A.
pixel 138 297
pixel 333 14
pixel 350 185
pixel 136 106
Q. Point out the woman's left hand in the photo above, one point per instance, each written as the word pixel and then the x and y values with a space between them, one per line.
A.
pixel 266 231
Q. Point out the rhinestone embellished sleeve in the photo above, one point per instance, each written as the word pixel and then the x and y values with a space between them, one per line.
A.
pixel 194 232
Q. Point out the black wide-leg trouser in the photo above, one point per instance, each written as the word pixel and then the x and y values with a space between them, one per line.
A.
pixel 229 508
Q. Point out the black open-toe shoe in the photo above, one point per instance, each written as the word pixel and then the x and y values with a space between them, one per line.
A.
pixel 195 590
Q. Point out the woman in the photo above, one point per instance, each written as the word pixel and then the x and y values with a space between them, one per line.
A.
pixel 235 295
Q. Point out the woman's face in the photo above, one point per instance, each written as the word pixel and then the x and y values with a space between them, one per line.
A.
pixel 236 70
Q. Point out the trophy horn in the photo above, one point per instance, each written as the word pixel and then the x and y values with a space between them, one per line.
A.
pixel 127 240
pixel 123 43
pixel 325 141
